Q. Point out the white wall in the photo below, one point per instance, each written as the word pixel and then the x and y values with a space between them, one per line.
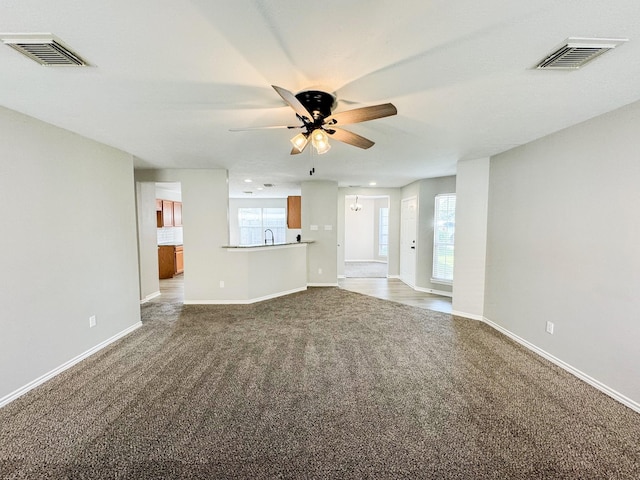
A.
pixel 563 246
pixel 147 240
pixel 320 209
pixel 69 248
pixel 472 196
pixel 359 229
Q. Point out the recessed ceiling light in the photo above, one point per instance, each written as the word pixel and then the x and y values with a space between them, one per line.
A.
pixel 372 184
pixel 260 188
pixel 248 180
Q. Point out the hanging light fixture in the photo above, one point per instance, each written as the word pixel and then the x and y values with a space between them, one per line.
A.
pixel 356 207
pixel 320 140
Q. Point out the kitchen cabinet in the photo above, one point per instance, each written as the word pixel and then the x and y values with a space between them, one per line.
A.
pixel 168 213
pixel 294 219
pixel 170 260
pixel 179 259
pixel 177 214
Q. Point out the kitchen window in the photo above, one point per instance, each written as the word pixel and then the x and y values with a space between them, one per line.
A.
pixel 254 223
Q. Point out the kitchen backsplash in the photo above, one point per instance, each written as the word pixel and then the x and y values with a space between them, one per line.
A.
pixel 170 235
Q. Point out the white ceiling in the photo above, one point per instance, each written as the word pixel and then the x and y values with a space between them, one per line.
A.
pixel 169 78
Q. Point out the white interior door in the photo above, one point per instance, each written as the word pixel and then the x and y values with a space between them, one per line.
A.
pixel 408 229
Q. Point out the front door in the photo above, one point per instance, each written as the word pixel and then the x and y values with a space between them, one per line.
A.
pixel 408 229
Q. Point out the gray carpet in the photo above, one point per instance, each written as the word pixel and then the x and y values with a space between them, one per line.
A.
pixel 321 384
pixel 365 270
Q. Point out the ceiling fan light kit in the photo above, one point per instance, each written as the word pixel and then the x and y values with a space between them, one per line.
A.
pixel 300 141
pixel 314 109
pixel 320 140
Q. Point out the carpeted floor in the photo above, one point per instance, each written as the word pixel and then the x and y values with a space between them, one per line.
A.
pixel 321 384
pixel 365 270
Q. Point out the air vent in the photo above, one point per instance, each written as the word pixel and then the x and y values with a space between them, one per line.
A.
pixel 44 49
pixel 576 52
pixel 269 185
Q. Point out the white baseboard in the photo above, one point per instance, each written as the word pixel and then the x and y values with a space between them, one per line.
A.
pixel 322 284
pixel 244 301
pixel 150 297
pixel 365 261
pixel 341 276
pixel 435 292
pixel 394 276
pixel 471 316
pixel 56 371
pixel 572 370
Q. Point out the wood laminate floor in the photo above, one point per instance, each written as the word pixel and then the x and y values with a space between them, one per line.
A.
pixel 172 291
pixel 397 291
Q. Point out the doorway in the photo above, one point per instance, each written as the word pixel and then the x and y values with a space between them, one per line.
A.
pixel 366 241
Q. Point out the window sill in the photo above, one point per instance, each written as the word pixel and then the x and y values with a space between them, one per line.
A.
pixel 440 281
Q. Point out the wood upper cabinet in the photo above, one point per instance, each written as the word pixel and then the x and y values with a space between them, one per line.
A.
pixel 168 213
pixel 294 219
pixel 177 214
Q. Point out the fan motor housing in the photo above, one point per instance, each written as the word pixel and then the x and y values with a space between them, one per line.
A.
pixel 318 103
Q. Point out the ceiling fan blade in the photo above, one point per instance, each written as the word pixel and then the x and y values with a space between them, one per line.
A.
pixel 269 127
pixel 350 138
pixel 363 114
pixel 293 102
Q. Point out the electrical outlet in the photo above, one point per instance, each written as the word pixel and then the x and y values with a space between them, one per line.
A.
pixel 550 328
pixel 92 321
pixel 221 283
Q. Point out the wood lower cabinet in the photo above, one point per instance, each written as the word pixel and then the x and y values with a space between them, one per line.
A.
pixel 170 260
pixel 179 260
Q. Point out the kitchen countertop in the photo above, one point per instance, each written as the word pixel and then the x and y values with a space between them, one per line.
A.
pixel 261 245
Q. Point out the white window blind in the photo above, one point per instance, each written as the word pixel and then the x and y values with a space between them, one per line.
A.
pixel 443 238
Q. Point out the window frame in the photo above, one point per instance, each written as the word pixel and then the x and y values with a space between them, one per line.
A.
pixel 443 238
pixel 265 222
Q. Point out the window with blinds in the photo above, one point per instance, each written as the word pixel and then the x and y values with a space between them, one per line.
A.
pixel 443 238
pixel 254 222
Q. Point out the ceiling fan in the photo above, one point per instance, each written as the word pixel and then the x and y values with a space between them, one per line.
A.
pixel 314 109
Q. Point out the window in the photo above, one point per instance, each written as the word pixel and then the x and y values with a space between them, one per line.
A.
pixel 383 233
pixel 254 222
pixel 443 238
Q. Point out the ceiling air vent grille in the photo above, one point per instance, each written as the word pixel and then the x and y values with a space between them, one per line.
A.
pixel 576 52
pixel 45 49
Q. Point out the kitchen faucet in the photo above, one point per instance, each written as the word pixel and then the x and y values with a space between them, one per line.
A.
pixel 265 236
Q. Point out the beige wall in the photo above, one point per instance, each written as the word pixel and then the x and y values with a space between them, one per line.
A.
pixel 71 252
pixel 563 246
